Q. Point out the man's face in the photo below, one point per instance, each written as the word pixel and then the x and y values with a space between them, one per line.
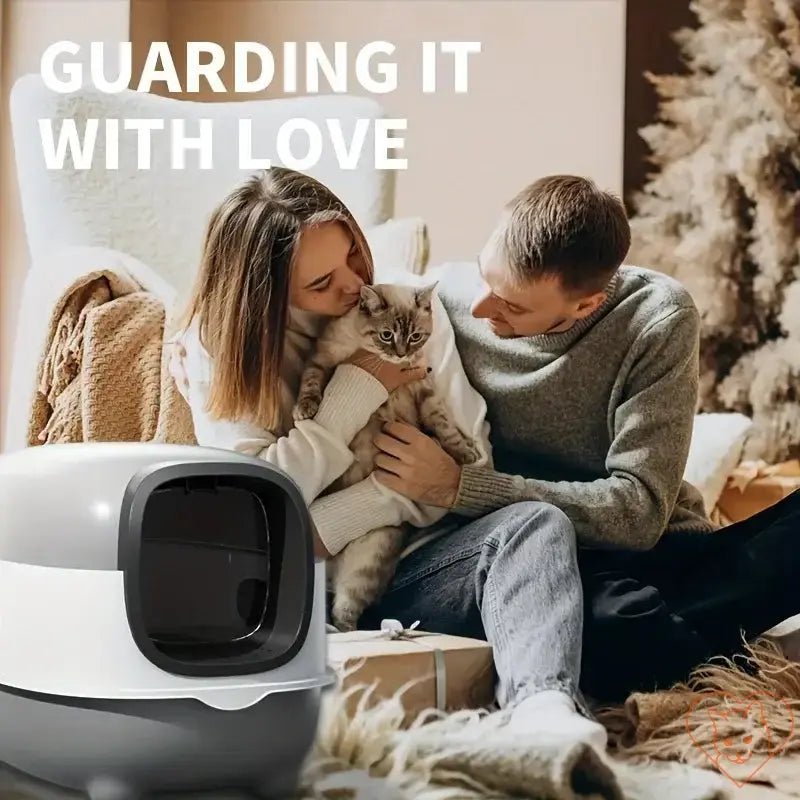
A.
pixel 538 307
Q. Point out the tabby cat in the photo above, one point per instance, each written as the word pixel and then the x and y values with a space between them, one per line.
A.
pixel 393 322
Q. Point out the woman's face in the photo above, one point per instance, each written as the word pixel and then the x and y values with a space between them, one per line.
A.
pixel 325 278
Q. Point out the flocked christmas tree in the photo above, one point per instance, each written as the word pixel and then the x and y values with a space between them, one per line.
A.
pixel 720 211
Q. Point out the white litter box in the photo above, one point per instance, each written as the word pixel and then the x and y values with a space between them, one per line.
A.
pixel 162 620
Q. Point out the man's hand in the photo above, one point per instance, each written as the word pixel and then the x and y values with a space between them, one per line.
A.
pixel 415 466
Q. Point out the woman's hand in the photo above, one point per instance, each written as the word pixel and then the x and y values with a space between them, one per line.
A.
pixel 392 376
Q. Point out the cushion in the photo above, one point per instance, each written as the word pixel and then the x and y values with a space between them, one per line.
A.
pixel 399 245
pixel 715 451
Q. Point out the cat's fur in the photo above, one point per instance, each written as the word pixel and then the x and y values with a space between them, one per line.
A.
pixel 393 322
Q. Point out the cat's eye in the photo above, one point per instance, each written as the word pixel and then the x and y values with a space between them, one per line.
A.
pixel 386 336
pixel 414 337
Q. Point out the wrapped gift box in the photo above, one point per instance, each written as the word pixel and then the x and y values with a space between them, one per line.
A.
pixel 754 486
pixel 431 670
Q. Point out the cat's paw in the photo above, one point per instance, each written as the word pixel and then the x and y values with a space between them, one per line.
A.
pixel 471 454
pixel 345 619
pixel 306 407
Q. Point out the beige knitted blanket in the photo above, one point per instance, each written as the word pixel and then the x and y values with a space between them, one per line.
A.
pixel 103 373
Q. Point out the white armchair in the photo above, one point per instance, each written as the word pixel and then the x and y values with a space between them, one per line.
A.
pixel 157 215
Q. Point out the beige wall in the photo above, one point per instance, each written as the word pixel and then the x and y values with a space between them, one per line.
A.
pixel 149 22
pixel 28 27
pixel 546 93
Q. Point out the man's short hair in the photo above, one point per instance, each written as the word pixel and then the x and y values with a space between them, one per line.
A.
pixel 564 226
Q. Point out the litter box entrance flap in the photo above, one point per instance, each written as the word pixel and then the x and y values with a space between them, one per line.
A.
pixel 218 567
pixel 204 565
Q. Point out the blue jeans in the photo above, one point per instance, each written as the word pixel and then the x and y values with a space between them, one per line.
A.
pixel 510 578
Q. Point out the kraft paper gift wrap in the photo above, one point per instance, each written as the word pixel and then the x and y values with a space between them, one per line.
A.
pixel 754 486
pixel 430 670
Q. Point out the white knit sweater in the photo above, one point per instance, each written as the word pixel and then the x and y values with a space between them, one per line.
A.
pixel 316 452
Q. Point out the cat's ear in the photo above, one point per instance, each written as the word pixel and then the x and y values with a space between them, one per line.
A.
pixel 423 296
pixel 371 300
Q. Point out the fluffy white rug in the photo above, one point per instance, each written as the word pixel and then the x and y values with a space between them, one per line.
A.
pixel 468 755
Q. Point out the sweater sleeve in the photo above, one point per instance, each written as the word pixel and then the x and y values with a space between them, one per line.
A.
pixel 315 452
pixel 651 430
pixel 341 517
pixel 349 513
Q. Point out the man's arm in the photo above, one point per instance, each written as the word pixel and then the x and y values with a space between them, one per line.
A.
pixel 651 434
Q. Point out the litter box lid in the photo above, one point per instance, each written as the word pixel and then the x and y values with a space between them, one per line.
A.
pixel 60 504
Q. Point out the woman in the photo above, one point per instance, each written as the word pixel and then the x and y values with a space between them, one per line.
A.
pixel 282 255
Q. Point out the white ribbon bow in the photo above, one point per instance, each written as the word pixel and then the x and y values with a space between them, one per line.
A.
pixel 393 628
pixel 390 629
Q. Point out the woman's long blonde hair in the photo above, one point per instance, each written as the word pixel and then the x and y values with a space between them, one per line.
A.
pixel 241 294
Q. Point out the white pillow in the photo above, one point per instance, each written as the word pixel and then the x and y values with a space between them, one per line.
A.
pixel 398 245
pixel 715 451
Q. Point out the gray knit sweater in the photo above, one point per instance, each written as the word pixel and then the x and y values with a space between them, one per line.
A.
pixel 596 420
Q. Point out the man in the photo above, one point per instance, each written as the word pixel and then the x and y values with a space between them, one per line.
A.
pixel 590 372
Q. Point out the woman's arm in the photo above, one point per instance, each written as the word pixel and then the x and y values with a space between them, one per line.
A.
pixel 315 452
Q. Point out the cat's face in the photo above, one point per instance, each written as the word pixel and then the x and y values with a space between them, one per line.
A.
pixel 395 321
pixel 736 746
pixel 736 749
